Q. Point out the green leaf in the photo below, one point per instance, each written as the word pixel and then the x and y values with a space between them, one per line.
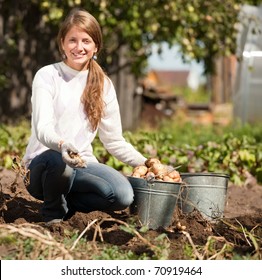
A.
pixel 247 156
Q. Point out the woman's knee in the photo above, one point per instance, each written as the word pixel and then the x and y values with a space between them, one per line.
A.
pixel 124 196
pixel 105 185
pixel 48 170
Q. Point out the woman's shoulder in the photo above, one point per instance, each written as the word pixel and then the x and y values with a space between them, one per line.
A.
pixel 109 89
pixel 48 72
pixel 46 75
pixel 108 84
pixel 49 69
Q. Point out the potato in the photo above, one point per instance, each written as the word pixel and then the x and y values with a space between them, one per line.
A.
pixel 155 170
pixel 177 180
pixel 136 174
pixel 158 169
pixel 150 175
pixel 77 156
pixel 73 155
pixel 149 162
pixel 174 174
pixel 141 169
pixel 180 227
pixel 166 178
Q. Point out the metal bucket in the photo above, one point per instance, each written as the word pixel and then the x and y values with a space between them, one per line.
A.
pixel 154 202
pixel 205 192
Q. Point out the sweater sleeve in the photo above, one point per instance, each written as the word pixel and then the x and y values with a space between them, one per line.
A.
pixel 110 133
pixel 43 118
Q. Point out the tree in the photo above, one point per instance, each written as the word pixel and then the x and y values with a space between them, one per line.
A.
pixel 203 29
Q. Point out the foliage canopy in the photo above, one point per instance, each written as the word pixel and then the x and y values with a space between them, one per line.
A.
pixel 202 29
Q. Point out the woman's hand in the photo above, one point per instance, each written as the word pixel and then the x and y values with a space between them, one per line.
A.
pixel 70 156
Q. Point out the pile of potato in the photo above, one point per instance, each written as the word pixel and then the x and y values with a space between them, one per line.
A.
pixel 154 169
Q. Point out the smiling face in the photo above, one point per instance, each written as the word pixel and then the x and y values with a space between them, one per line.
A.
pixel 78 47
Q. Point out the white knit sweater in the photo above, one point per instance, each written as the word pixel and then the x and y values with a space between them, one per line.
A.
pixel 58 114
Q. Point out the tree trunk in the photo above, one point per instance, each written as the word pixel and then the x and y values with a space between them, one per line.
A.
pixel 126 84
pixel 223 81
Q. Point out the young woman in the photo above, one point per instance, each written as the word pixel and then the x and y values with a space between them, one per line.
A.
pixel 72 101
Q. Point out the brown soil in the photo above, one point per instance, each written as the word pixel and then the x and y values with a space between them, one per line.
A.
pixel 243 210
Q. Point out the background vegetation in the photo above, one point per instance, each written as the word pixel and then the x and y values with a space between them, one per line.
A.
pixel 233 150
pixel 203 30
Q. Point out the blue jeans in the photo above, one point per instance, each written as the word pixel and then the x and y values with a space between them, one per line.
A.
pixel 65 190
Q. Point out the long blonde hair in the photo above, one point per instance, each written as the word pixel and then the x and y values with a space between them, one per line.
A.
pixel 92 97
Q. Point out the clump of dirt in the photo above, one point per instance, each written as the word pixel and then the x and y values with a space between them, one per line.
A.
pixel 243 212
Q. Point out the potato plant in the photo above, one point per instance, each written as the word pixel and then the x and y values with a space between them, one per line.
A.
pixel 236 152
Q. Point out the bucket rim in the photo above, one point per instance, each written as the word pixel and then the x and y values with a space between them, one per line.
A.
pixel 204 174
pixel 155 181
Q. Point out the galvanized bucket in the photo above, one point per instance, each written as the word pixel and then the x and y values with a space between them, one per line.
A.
pixel 205 192
pixel 154 202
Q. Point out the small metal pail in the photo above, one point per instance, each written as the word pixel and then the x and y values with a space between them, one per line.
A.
pixel 154 202
pixel 205 192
